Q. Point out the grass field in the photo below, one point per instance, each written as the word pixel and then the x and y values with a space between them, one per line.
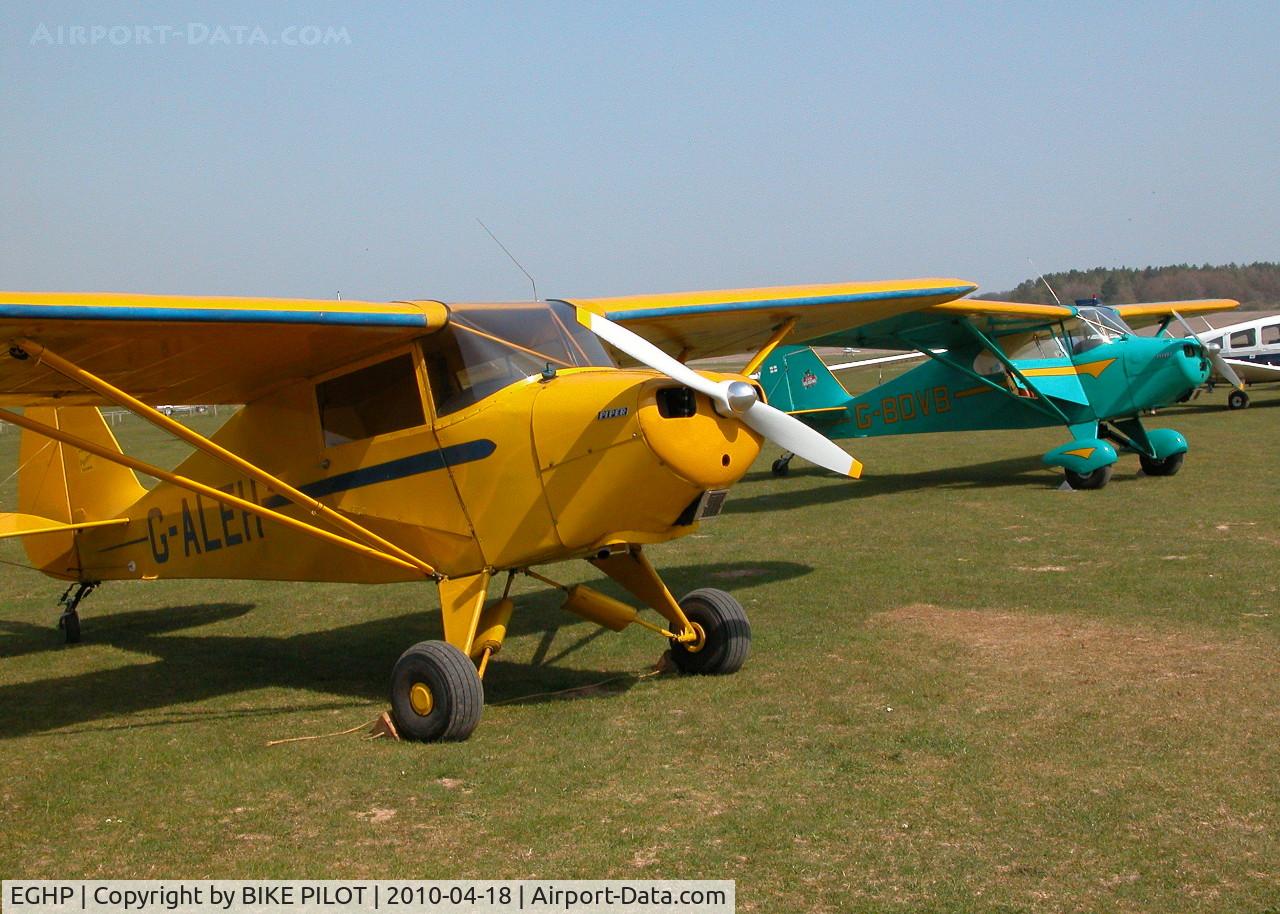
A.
pixel 968 691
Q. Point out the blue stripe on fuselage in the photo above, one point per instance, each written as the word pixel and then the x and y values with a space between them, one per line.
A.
pixel 401 468
pixel 1261 358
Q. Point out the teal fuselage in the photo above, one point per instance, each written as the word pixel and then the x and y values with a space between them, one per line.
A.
pixel 979 388
pixel 1115 380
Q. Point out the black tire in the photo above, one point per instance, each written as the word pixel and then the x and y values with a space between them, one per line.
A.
pixel 1087 481
pixel 781 467
pixel 727 634
pixel 454 687
pixel 1237 399
pixel 70 623
pixel 1169 466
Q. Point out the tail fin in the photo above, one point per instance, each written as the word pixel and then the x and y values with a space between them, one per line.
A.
pixel 65 486
pixel 796 380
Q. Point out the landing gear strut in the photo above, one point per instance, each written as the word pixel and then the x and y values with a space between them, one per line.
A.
pixel 782 464
pixel 69 621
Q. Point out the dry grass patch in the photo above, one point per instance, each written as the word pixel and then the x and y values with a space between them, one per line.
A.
pixel 1130 756
pixel 1108 656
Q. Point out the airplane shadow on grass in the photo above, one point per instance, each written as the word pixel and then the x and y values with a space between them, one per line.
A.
pixel 352 662
pixel 1014 471
pixel 1257 400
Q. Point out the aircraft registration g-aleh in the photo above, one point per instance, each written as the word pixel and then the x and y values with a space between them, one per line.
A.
pixel 1005 365
pixel 413 440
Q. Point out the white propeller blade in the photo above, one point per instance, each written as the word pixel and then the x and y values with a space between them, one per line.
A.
pixel 731 398
pixel 1225 371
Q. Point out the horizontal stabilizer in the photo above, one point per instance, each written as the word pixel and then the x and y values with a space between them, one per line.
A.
pixel 13 524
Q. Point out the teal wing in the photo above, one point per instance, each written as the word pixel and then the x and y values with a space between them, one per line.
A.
pixel 943 326
pixel 963 386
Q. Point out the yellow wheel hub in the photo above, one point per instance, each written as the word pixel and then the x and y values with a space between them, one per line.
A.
pixel 420 699
pixel 699 642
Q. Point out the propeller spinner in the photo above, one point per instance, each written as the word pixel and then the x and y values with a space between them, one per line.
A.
pixel 1220 364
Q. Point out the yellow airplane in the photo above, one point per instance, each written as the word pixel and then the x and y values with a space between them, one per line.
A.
pixel 413 440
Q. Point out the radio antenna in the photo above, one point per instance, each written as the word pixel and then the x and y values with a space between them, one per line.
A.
pixel 1042 279
pixel 513 258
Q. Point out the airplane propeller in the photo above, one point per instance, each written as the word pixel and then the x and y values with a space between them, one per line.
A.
pixel 735 399
pixel 1220 364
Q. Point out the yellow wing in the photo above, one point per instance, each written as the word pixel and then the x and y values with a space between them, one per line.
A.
pixel 189 349
pixel 1145 315
pixel 186 349
pixel 693 325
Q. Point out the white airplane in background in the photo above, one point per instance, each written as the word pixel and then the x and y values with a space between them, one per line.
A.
pixel 1252 349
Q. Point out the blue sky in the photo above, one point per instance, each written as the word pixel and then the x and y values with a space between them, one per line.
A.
pixel 620 147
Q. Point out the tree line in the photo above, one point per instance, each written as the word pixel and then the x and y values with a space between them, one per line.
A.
pixel 1255 285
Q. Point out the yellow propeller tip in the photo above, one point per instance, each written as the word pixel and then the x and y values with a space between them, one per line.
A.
pixel 855 468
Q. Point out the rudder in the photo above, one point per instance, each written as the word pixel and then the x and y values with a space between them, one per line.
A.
pixel 59 482
pixel 796 380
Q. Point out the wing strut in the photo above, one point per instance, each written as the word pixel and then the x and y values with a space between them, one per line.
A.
pixel 778 336
pixel 1013 370
pixel 91 381
pixel 941 356
pixel 200 488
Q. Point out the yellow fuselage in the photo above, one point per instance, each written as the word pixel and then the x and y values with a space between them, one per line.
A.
pixel 541 471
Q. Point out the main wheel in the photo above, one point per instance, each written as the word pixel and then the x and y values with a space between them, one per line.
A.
pixel 781 467
pixel 436 693
pixel 1095 480
pixel 1166 467
pixel 725 634
pixel 1237 399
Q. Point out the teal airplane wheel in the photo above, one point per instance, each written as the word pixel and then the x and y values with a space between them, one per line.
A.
pixel 1166 467
pixel 1095 480
pixel 724 634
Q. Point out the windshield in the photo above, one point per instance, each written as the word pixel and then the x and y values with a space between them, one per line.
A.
pixel 1097 326
pixel 484 348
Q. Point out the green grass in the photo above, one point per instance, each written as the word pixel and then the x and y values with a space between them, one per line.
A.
pixel 968 691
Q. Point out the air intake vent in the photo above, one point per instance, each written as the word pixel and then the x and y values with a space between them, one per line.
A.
pixel 713 503
pixel 705 506
pixel 676 403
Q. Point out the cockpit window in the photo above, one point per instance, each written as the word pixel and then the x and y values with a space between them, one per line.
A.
pixel 1097 326
pixel 374 400
pixel 484 348
pixel 1242 339
pixel 1043 344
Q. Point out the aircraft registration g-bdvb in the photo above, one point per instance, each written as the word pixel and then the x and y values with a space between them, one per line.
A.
pixel 414 440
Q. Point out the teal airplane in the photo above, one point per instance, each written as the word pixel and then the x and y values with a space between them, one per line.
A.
pixel 1003 365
